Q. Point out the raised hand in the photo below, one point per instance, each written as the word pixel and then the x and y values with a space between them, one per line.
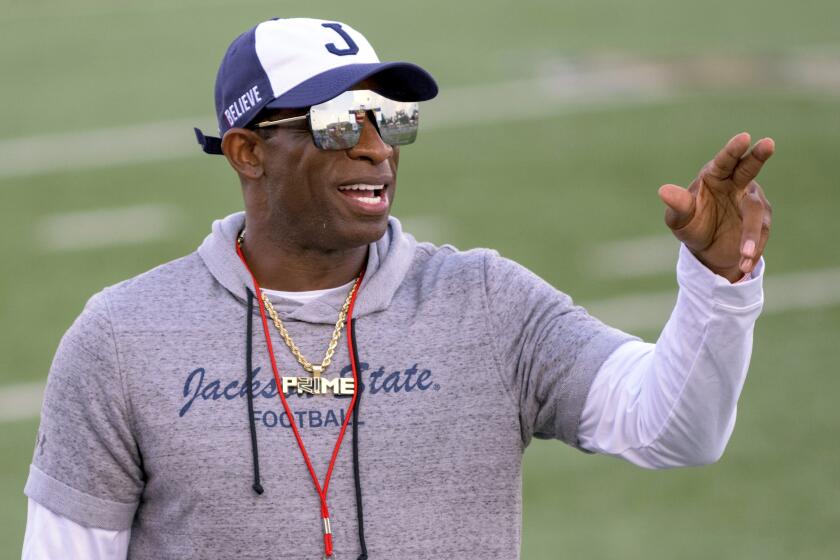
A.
pixel 723 217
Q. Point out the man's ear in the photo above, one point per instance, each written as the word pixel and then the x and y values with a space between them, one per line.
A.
pixel 244 150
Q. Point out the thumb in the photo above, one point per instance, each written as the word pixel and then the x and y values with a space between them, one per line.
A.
pixel 679 206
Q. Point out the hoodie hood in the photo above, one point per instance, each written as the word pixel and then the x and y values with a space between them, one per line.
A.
pixel 388 262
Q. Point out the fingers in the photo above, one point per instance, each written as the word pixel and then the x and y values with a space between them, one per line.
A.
pixel 680 205
pixel 724 163
pixel 749 167
pixel 753 218
pixel 765 224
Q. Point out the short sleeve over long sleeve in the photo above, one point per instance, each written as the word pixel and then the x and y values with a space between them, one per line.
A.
pixel 550 349
pixel 86 464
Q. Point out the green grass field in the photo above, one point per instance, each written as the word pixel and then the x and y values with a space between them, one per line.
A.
pixel 546 190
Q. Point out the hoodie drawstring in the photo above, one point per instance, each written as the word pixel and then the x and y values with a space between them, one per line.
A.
pixel 360 516
pixel 249 379
pixel 249 376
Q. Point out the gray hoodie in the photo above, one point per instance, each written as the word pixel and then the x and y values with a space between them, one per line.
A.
pixel 463 358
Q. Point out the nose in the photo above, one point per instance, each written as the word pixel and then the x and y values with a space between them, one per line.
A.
pixel 370 146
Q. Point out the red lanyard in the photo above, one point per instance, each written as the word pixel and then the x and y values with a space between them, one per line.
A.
pixel 322 491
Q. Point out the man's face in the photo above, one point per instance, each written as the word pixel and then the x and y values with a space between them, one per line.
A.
pixel 322 199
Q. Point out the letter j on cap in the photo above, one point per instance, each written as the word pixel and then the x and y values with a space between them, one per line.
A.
pixel 352 47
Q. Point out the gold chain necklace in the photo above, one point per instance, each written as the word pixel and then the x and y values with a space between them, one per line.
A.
pixel 315 370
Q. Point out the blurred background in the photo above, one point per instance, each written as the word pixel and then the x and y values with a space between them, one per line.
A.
pixel 557 122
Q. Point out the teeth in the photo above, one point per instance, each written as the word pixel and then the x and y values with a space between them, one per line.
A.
pixel 361 187
pixel 370 199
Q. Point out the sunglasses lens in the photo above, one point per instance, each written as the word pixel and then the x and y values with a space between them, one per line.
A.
pixel 398 122
pixel 337 123
pixel 334 123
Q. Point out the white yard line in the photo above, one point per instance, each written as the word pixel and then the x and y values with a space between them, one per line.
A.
pixel 94 149
pixel 107 227
pixel 634 257
pixel 434 229
pixel 21 401
pixel 785 292
pixel 523 100
pixel 798 291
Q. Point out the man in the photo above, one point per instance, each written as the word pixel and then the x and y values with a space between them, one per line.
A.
pixel 189 412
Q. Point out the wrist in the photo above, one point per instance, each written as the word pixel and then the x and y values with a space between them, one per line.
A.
pixel 734 274
pixel 707 288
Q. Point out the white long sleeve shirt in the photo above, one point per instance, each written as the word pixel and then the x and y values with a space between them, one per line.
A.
pixel 662 405
pixel 673 403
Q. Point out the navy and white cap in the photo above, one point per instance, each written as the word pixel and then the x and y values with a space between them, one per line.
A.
pixel 300 62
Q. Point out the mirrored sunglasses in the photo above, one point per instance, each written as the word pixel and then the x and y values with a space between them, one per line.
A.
pixel 337 124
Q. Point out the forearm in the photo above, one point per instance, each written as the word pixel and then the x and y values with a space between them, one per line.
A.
pixel 673 403
pixel 50 535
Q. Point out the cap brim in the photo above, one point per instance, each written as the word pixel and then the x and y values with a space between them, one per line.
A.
pixel 400 81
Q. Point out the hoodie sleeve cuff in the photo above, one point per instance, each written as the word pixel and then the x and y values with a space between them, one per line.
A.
pixel 78 506
pixel 695 277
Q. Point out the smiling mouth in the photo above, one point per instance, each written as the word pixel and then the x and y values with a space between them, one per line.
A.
pixel 365 194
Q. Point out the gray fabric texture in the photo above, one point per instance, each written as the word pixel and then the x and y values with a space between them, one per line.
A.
pixel 464 357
